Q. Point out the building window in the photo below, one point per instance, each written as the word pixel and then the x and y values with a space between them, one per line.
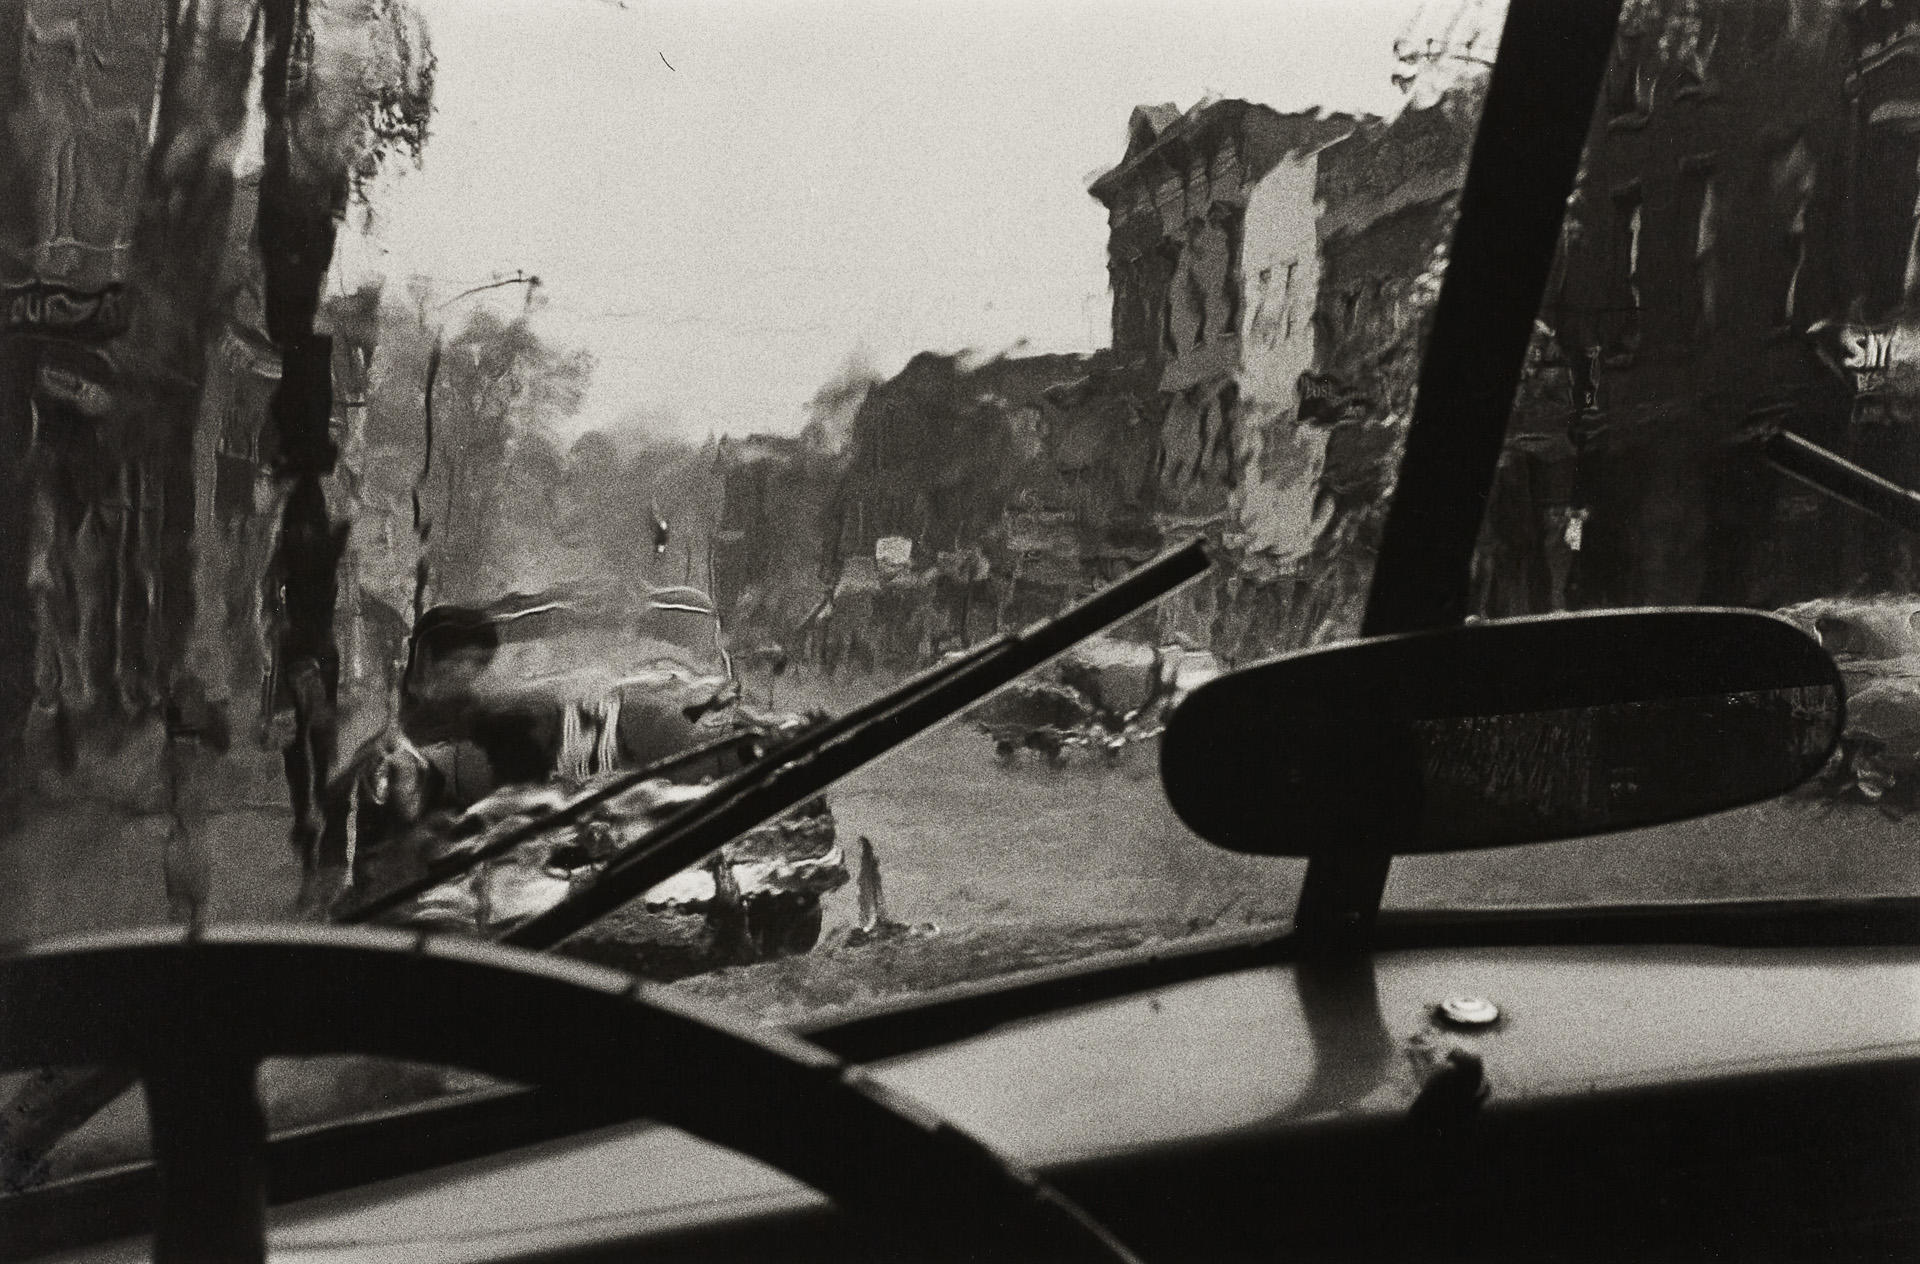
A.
pixel 1889 188
pixel 1626 299
pixel 1910 274
pixel 1706 262
pixel 1324 331
pixel 1202 432
pixel 1629 84
pixel 1766 23
pixel 1195 293
pixel 1227 222
pixel 1148 297
pixel 1791 179
pixel 1699 210
pixel 1273 315
pixel 1227 403
pixel 1387 301
pixel 1699 38
pixel 1166 277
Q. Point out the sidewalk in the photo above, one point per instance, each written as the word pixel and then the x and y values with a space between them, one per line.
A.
pixel 87 853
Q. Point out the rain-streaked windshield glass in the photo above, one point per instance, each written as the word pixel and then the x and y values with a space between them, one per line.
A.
pixel 441 410
pixel 1725 276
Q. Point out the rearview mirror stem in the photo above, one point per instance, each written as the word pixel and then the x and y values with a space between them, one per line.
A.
pixel 1339 901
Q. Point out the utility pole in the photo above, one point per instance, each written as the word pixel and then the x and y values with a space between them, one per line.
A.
pixel 422 522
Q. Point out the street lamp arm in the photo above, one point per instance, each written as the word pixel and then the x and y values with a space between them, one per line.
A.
pixel 516 279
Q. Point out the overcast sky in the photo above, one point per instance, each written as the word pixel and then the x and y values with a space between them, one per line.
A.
pixel 726 202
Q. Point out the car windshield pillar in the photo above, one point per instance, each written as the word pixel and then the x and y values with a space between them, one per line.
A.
pixel 1524 163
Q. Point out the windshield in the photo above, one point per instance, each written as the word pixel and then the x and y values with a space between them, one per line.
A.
pixel 510 396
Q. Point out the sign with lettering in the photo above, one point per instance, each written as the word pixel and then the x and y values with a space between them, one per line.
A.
pixel 1321 386
pixel 1869 357
pixel 46 309
pixel 73 390
pixel 1325 399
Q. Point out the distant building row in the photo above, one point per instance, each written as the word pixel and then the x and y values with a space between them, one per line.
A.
pixel 1743 253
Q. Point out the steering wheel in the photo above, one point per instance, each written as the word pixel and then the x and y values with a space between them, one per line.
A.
pixel 196 1012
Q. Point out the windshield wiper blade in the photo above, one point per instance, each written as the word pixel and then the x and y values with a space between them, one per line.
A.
pixel 451 867
pixel 793 773
pixel 1841 479
pixel 767 756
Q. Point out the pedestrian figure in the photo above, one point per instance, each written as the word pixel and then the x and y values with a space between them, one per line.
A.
pixel 873 904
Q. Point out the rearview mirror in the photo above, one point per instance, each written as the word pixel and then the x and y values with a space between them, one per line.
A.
pixel 1500 733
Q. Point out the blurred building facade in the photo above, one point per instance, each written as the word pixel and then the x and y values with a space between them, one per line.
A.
pixel 1272 274
pixel 975 494
pixel 1739 258
pixel 174 512
pixel 1742 254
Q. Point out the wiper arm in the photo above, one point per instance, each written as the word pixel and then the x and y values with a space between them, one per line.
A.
pixel 792 773
pixel 1841 479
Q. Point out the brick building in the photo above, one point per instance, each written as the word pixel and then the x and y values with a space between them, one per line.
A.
pixel 976 494
pixel 1739 257
pixel 1742 253
pixel 1209 253
pixel 1271 275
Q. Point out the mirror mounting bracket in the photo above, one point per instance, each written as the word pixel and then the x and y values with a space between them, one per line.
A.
pixel 1339 901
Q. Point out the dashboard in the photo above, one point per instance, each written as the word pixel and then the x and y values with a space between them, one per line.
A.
pixel 1566 1102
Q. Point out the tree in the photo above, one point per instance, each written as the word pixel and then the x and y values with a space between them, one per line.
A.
pixel 1443 44
pixel 620 487
pixel 499 390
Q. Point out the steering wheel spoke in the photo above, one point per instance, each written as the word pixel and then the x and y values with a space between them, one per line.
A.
pixel 209 1150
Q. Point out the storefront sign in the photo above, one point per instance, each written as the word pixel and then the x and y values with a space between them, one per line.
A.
pixel 1866 350
pixel 1873 359
pixel 73 390
pixel 41 308
pixel 1321 386
pixel 1325 399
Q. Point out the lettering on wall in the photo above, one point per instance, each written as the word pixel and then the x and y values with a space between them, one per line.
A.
pixel 73 390
pixel 1325 399
pixel 1873 359
pixel 45 309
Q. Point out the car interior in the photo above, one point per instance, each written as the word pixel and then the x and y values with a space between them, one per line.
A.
pixel 1726 1079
